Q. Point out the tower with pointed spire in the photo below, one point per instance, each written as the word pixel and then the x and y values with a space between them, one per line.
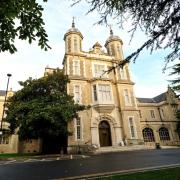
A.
pixel 114 46
pixel 107 93
pixel 73 39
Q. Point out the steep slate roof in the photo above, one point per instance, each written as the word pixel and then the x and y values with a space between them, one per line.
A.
pixel 97 44
pixel 156 99
pixel 160 98
pixel 146 100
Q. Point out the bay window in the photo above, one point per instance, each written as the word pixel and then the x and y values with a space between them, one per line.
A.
pixel 102 93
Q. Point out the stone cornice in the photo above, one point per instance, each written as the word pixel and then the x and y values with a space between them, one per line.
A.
pixel 152 104
pixel 124 82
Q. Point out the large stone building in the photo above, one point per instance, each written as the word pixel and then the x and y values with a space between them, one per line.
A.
pixel 8 144
pixel 116 116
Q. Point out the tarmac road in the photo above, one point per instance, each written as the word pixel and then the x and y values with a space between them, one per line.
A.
pixel 104 163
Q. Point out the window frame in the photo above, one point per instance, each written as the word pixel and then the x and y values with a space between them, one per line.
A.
pixel 100 74
pixel 78 67
pixel 132 127
pixel 69 48
pixel 146 137
pixel 127 94
pixel 75 41
pixel 106 94
pixel 78 129
pixel 162 113
pixel 164 135
pixel 152 113
pixel 95 92
pixel 123 74
pixel 80 93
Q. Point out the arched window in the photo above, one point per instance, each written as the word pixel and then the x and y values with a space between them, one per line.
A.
pixel 148 135
pixel 164 134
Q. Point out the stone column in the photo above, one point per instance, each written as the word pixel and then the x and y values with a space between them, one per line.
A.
pixel 95 136
pixel 118 134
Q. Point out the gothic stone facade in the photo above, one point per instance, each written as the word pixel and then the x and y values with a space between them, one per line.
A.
pixel 116 116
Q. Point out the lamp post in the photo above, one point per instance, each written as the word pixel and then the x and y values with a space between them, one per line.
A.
pixel 1 129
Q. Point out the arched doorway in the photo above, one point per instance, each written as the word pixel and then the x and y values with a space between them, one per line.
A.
pixel 104 134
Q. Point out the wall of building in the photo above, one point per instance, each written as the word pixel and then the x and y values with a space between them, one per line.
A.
pixel 30 146
pixel 11 146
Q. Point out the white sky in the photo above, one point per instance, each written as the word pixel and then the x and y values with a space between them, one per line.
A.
pixel 30 60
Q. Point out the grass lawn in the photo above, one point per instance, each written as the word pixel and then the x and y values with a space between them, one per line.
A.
pixel 165 174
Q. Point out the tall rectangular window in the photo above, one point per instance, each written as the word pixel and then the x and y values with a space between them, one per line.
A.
pixel 105 93
pixel 140 114
pixel 77 94
pixel 78 128
pixel 123 73
pixel 132 128
pixel 152 114
pixel 80 45
pixel 162 113
pixel 126 97
pixel 95 93
pixel 76 67
pixel 112 50
pixel 99 70
pixel 69 44
pixel 4 139
pixel 75 44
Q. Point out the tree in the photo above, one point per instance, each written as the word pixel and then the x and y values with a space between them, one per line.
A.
pixel 176 81
pixel 42 108
pixel 178 119
pixel 21 19
pixel 159 19
pixel 176 87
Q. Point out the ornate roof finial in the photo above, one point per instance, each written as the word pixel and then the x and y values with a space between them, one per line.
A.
pixel 111 31
pixel 73 23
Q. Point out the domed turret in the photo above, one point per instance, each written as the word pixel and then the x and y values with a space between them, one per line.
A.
pixel 73 39
pixel 114 46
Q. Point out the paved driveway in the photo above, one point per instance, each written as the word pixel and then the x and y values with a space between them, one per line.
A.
pixel 44 170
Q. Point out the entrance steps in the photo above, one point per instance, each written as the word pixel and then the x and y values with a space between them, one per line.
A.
pixel 122 148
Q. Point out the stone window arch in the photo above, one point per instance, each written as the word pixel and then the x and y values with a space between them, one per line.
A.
pixel 164 134
pixel 148 135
